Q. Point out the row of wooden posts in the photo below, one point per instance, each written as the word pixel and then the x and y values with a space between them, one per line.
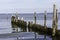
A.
pixel 54 22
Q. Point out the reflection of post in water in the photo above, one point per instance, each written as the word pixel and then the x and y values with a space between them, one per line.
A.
pixel 45 25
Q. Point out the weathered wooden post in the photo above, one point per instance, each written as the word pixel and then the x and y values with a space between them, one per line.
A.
pixel 35 22
pixel 29 26
pixel 45 24
pixel 16 22
pixel 12 23
pixel 16 15
pixel 45 20
pixel 54 21
pixel 34 17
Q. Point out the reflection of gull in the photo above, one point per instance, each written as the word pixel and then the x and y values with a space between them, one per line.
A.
pixel 22 18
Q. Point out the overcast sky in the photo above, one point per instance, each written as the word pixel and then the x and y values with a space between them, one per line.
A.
pixel 27 6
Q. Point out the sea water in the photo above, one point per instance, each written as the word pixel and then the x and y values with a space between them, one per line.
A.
pixel 5 22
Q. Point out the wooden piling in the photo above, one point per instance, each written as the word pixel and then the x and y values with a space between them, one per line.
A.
pixel 35 22
pixel 16 15
pixel 45 19
pixel 54 20
pixel 29 25
pixel 34 17
pixel 45 28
